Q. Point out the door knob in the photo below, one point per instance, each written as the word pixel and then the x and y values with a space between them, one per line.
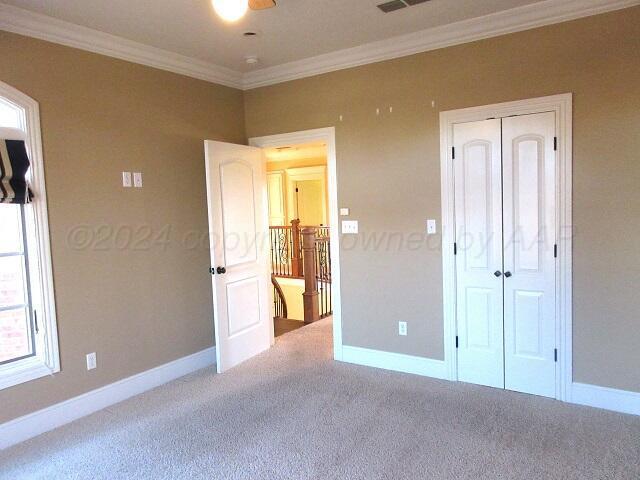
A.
pixel 497 273
pixel 221 270
pixel 507 274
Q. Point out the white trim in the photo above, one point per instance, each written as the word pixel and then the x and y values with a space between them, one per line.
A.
pixel 327 135
pixel 47 359
pixel 507 21
pixel 607 398
pixel 33 424
pixel 562 106
pixel 397 362
pixel 25 22
pixel 582 394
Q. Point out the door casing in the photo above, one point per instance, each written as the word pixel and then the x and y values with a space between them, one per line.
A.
pixel 561 105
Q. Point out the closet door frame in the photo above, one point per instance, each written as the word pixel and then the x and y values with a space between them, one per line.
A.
pixel 562 106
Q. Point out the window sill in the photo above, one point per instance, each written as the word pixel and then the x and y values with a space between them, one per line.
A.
pixel 24 371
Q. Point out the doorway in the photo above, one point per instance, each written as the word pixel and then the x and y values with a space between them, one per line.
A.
pixel 506 211
pixel 297 199
pixel 239 217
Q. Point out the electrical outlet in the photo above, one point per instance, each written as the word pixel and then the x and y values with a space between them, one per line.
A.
pixel 92 361
pixel 126 179
pixel 137 179
pixel 402 328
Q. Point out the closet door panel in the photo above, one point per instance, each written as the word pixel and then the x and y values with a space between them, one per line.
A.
pixel 529 198
pixel 478 205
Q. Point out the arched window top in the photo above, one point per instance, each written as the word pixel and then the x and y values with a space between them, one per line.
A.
pixel 18 110
pixel 11 115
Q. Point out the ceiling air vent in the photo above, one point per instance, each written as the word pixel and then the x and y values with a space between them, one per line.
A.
pixel 392 6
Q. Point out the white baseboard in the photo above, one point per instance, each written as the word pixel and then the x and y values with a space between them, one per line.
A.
pixel 607 398
pixel 394 361
pixel 581 394
pixel 33 424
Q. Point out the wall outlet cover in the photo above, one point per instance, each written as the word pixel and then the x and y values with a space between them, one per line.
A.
pixel 126 179
pixel 402 328
pixel 431 227
pixel 92 361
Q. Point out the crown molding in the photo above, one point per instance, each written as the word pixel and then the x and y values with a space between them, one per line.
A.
pixel 24 22
pixel 542 13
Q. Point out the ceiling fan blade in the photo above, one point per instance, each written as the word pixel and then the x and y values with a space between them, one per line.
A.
pixel 261 4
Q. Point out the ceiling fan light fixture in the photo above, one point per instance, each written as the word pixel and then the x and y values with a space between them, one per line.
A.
pixel 231 10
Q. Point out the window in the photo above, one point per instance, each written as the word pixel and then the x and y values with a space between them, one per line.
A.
pixel 28 336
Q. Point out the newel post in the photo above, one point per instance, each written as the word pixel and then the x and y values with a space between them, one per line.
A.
pixel 310 295
pixel 296 261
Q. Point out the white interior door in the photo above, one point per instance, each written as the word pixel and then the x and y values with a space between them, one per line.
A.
pixel 478 207
pixel 238 232
pixel 310 202
pixel 529 237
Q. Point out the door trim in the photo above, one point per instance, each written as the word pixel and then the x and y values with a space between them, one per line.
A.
pixel 562 105
pixel 327 135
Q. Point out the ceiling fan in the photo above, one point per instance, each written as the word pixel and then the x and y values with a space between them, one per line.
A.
pixel 233 10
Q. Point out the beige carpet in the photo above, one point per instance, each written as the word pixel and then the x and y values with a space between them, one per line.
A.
pixel 293 413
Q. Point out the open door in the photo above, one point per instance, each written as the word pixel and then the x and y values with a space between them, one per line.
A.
pixel 238 233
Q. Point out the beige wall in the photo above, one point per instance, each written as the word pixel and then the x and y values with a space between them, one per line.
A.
pixel 389 175
pixel 140 308
pixel 136 308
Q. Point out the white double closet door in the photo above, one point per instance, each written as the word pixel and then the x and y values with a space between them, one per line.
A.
pixel 505 211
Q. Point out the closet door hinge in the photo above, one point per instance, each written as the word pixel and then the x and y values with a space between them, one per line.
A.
pixel 555 355
pixel 457 343
pixel 453 152
pixel 555 143
pixel 555 251
pixel 455 248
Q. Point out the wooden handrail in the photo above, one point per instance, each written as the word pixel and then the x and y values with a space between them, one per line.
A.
pixel 279 299
pixel 286 248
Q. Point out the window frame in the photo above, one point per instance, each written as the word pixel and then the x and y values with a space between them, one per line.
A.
pixel 46 360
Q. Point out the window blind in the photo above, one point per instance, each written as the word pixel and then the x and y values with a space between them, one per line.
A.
pixel 14 166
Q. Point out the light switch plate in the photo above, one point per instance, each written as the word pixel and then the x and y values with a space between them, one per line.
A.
pixel 137 179
pixel 126 179
pixel 431 227
pixel 349 227
pixel 344 212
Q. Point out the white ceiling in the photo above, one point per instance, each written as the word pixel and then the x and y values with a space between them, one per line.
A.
pixel 294 30
pixel 298 38
pixel 296 152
